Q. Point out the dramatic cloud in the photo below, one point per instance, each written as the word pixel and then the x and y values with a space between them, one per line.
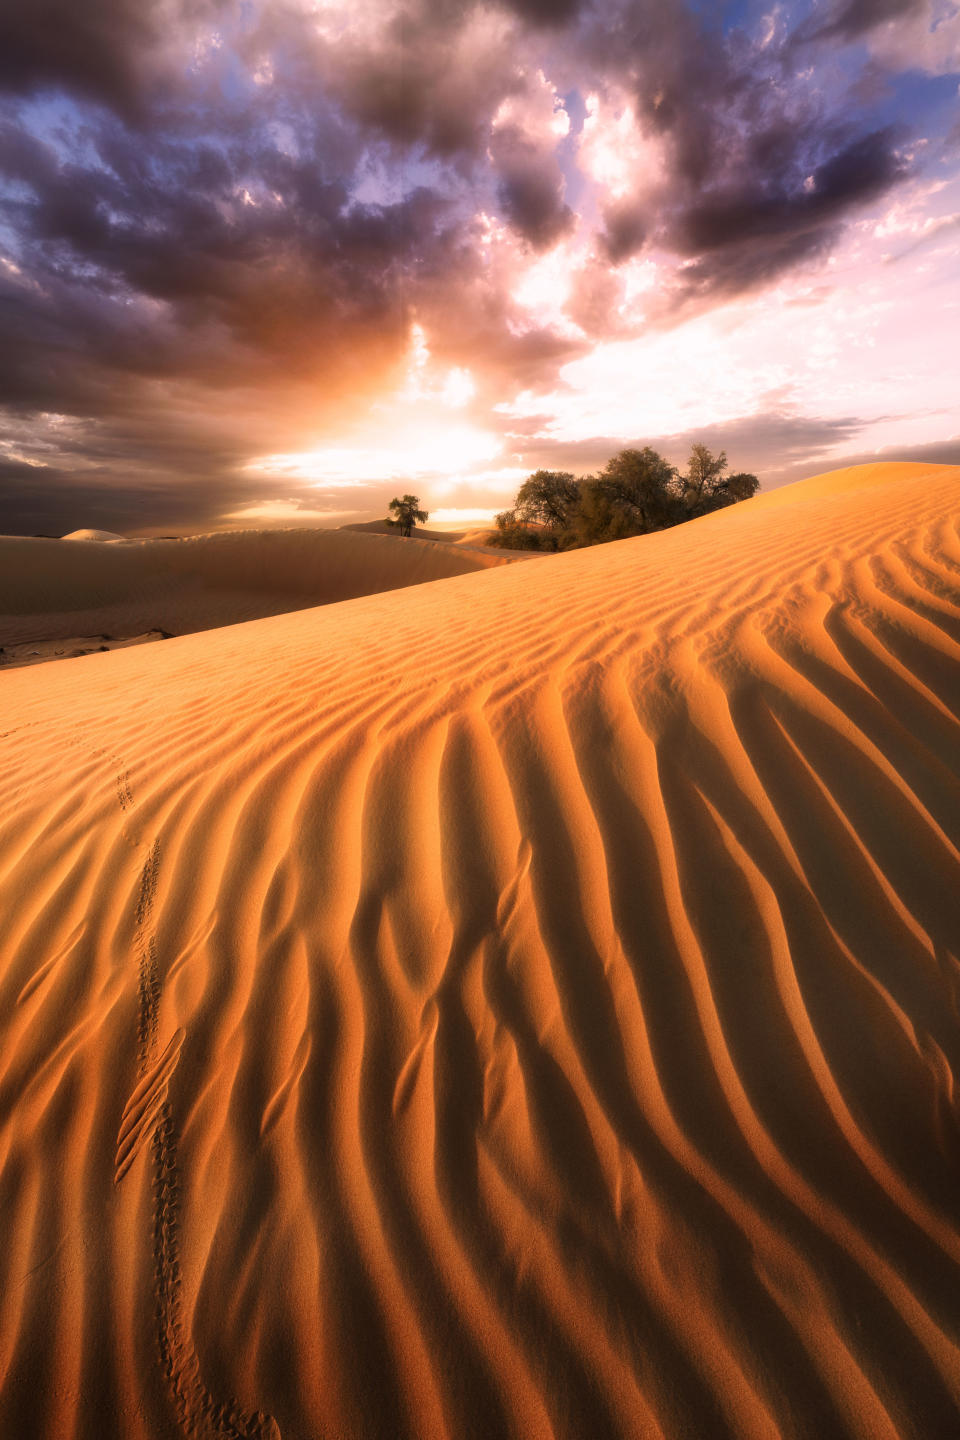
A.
pixel 113 51
pixel 223 226
pixel 849 19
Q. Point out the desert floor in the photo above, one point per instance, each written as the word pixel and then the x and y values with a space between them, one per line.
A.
pixel 521 1004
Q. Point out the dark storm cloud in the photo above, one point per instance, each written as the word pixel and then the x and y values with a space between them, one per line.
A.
pixel 425 76
pixel 769 443
pixel 546 12
pixel 226 261
pixel 761 174
pixel 107 50
pixel 55 502
pixel 162 216
pixel 625 230
pixel 154 467
pixel 739 238
pixel 758 211
pixel 530 188
pixel 849 19
pixel 188 267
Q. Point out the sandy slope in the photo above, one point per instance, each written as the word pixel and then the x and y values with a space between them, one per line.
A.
pixel 473 539
pixel 523 1005
pixel 422 532
pixel 52 591
pixel 37 652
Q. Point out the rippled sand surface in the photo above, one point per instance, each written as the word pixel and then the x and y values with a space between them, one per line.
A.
pixel 522 1005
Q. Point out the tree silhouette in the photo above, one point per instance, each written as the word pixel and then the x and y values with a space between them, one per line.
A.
pixel 548 497
pixel 639 485
pixel 542 514
pixel 513 533
pixel 706 487
pixel 636 493
pixel 407 513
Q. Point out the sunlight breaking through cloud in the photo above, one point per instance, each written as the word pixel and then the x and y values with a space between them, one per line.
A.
pixel 348 244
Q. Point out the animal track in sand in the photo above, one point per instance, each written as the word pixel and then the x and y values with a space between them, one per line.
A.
pixel 148 1114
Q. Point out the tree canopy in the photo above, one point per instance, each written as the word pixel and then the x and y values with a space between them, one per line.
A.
pixel 407 513
pixel 636 493
pixel 542 513
pixel 706 487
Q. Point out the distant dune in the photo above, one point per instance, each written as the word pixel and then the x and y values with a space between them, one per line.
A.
pixel 522 1005
pixel 49 592
pixel 92 535
pixel 420 532
pixel 469 538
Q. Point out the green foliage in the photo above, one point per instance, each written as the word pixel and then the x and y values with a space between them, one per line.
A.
pixel 636 493
pixel 512 533
pixel 407 513
pixel 542 515
pixel 600 517
pixel 706 487
pixel 548 497
pixel 640 484
pixel 740 486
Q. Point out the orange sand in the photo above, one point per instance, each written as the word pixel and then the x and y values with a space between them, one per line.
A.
pixel 50 590
pixel 522 1005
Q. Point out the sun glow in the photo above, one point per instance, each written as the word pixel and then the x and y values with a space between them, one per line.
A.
pixel 413 452
pixel 469 515
pixel 285 512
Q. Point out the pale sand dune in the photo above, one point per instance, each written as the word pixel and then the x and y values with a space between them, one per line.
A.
pixel 93 535
pixel 526 1005
pixel 49 591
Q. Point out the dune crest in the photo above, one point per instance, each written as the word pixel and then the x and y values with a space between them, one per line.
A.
pixel 525 1005
pixel 50 592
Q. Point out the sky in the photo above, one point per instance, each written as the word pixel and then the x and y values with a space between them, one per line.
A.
pixel 276 261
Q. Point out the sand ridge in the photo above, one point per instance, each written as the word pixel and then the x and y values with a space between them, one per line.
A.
pixel 526 1004
pixel 52 592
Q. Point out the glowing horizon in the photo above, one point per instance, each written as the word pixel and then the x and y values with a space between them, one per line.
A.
pixel 545 247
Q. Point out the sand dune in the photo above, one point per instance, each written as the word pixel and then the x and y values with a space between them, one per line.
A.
pixel 108 535
pixel 421 532
pixel 523 1005
pixel 474 539
pixel 36 652
pixel 51 592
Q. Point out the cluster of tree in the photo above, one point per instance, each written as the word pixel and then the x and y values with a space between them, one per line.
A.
pixel 406 514
pixel 637 492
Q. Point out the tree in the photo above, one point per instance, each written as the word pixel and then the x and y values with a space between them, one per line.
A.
pixel 515 534
pixel 548 497
pixel 705 487
pixel 640 485
pixel 636 493
pixel 548 500
pixel 542 514
pixel 740 486
pixel 600 516
pixel 407 513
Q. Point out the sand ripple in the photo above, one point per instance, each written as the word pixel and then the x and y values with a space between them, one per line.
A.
pixel 523 1005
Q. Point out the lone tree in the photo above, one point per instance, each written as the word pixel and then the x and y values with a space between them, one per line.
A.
pixel 406 514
